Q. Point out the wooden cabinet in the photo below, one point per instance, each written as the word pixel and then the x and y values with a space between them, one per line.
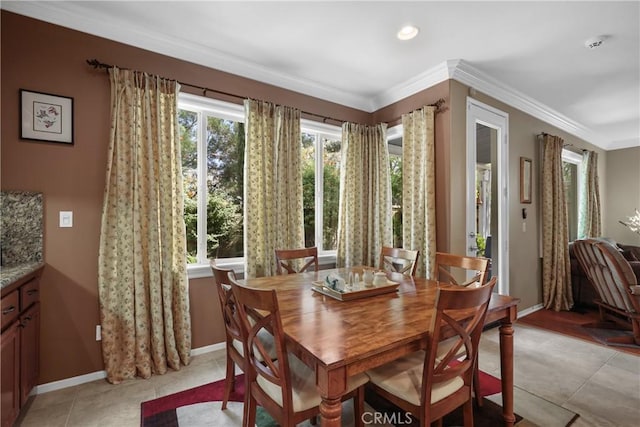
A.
pixel 10 359
pixel 20 343
pixel 29 351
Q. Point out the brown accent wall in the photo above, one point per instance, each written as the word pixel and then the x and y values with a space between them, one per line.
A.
pixel 48 58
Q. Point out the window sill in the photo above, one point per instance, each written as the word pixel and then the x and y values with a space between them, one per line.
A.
pixel 198 271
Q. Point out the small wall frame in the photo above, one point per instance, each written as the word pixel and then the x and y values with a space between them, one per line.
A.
pixel 46 117
pixel 525 179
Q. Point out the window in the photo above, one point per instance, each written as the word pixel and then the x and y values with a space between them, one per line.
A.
pixel 571 173
pixel 321 164
pixel 394 142
pixel 212 138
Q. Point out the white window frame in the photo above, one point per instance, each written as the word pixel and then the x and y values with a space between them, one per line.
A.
pixel 572 157
pixel 206 107
pixel 319 131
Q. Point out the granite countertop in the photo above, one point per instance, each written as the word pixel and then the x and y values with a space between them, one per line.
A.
pixel 10 274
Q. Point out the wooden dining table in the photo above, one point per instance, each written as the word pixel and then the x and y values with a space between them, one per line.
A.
pixel 338 339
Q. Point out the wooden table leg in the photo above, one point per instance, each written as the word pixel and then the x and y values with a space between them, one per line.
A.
pixel 332 385
pixel 506 371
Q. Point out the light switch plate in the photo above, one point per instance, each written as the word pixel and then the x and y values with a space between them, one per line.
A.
pixel 66 219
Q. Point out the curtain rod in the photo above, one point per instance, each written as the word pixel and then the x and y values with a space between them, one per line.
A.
pixel 97 64
pixel 564 145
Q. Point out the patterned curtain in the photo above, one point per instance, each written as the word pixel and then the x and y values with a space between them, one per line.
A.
pixel 142 279
pixel 364 217
pixel 556 268
pixel 589 214
pixel 272 185
pixel 418 187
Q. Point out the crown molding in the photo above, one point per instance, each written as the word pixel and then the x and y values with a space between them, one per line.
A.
pixel 425 80
pixel 465 73
pixel 70 15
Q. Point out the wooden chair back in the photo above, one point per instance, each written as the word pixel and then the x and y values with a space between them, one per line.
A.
pixel 399 260
pixel 232 328
pixel 447 265
pixel 288 260
pixel 460 360
pixel 230 314
pixel 612 277
pixel 259 312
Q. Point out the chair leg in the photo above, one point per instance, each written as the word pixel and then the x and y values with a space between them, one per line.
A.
pixel 476 382
pixel 358 407
pixel 250 414
pixel 468 413
pixel 476 387
pixel 635 326
pixel 229 381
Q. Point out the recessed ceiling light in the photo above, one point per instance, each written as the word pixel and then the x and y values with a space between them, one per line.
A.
pixel 407 32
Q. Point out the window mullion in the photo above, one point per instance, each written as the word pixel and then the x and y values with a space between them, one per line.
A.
pixel 202 189
pixel 319 190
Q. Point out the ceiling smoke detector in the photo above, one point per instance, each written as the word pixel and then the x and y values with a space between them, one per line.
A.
pixel 594 42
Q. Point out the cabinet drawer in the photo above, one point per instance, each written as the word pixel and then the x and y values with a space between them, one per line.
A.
pixel 10 308
pixel 29 293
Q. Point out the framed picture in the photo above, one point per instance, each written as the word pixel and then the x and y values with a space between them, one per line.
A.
pixel 46 117
pixel 525 180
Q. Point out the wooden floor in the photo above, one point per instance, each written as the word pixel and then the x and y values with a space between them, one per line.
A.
pixel 570 323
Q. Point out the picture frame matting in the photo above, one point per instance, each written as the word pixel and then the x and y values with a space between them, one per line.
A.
pixel 46 117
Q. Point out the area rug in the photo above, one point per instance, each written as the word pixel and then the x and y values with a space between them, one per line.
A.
pixel 193 404
pixel 608 334
pixel 571 323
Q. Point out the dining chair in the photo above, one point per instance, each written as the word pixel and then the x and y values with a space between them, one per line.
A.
pixel 428 386
pixel 285 387
pixel 399 260
pixel 449 266
pixel 288 260
pixel 233 335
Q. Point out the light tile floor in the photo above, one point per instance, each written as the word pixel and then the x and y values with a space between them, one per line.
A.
pixel 599 383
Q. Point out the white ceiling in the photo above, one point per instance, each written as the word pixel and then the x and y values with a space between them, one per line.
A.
pixel 530 55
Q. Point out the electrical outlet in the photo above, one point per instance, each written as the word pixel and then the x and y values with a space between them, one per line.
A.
pixel 98 333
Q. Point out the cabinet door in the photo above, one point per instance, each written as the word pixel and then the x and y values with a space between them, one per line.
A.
pixel 30 351
pixel 10 360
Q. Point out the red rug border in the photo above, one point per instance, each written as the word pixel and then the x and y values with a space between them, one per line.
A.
pixel 210 392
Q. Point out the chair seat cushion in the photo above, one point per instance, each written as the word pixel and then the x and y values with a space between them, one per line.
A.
pixel 304 394
pixel 403 378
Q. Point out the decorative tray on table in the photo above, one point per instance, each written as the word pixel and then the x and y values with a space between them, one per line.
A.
pixel 360 292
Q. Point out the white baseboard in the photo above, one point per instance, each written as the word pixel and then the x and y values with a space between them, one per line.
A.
pixel 208 348
pixel 530 310
pixel 70 382
pixel 99 375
